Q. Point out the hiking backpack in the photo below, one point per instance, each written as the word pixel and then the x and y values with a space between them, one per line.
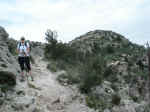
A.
pixel 25 45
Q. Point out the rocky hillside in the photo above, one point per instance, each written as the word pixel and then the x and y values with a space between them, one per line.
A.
pixel 123 87
pixel 8 65
pixel 101 69
pixel 99 40
pixel 110 70
pixel 44 94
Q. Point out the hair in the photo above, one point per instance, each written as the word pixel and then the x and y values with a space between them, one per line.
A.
pixel 22 38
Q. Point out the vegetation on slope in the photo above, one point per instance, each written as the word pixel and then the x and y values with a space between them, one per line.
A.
pixel 89 62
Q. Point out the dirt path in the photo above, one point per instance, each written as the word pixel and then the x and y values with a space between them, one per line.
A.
pixel 45 94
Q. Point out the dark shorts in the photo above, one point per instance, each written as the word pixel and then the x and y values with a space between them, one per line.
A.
pixel 24 62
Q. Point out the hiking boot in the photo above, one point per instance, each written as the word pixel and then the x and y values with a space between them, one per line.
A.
pixel 32 79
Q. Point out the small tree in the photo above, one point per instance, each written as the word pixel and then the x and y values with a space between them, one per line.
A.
pixel 51 36
pixel 58 50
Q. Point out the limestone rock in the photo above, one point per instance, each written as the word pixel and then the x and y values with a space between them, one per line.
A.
pixel 3 34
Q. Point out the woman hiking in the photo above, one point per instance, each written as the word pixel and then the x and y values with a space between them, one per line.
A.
pixel 23 50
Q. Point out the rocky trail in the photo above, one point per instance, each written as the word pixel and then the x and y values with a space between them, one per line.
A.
pixel 123 89
pixel 44 94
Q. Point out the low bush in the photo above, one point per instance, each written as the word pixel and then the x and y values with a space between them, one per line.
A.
pixel 52 67
pixel 7 78
pixel 97 102
pixel 110 49
pixel 12 45
pixel 87 71
pixel 92 73
pixel 116 99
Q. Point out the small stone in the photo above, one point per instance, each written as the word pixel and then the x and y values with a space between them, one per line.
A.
pixel 56 101
pixel 36 110
pixel 17 107
pixel 20 92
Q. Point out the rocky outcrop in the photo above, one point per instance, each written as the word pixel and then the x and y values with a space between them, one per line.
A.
pixel 8 64
pixel 3 34
pixel 37 49
pixel 93 40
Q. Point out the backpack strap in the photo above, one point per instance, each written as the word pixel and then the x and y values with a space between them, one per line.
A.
pixel 24 44
pixel 19 44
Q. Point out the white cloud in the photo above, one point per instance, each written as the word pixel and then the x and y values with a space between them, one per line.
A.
pixel 71 18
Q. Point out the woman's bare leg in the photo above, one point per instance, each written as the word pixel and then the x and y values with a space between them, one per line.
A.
pixel 30 73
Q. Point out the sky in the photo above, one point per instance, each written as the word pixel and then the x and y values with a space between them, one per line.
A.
pixel 72 18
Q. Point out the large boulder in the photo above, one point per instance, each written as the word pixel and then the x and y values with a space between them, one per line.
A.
pixel 7 78
pixel 3 34
pixel 8 63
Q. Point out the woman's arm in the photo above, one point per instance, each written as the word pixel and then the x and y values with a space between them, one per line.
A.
pixel 28 49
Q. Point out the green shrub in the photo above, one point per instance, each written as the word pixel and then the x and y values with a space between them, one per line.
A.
pixel 52 67
pixel 62 65
pixel 4 65
pixel 92 74
pixel 119 39
pixel 72 78
pixel 89 80
pixel 97 102
pixel 116 99
pixel 60 51
pixel 7 78
pixel 12 45
pixel 87 73
pixel 110 49
pixel 108 71
pixel 134 98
